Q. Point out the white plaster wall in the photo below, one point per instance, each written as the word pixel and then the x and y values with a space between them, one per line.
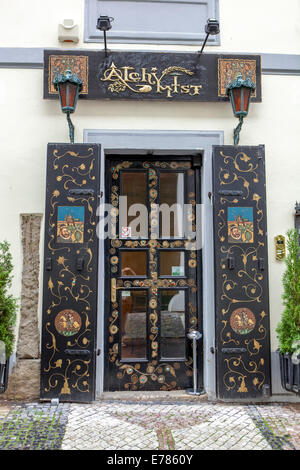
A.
pixel 265 26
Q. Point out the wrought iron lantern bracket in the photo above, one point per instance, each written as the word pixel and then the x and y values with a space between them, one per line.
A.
pixel 68 98
pixel 239 92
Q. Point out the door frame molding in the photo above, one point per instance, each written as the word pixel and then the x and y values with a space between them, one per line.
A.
pixel 178 142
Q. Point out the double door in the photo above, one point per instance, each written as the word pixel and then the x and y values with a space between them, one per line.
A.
pixel 152 273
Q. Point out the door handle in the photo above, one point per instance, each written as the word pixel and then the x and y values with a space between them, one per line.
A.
pixel 79 264
pixel 113 289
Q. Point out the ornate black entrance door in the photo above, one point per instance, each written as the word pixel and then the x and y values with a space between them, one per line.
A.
pixel 151 264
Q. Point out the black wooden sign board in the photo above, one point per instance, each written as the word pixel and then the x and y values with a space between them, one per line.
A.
pixel 152 76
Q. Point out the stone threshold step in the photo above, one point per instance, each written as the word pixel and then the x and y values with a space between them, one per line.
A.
pixel 157 396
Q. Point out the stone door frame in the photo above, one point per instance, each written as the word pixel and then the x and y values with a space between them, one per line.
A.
pixel 179 142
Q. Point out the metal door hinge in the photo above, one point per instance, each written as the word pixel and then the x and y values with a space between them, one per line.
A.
pixel 261 263
pixel 79 264
pixel 266 391
pixel 231 262
pixel 48 264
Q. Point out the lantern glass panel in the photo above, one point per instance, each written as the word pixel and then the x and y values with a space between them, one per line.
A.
pixel 237 99
pixel 72 94
pixel 63 94
pixel 247 92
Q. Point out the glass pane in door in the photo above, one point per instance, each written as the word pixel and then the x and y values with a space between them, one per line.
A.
pixel 134 263
pixel 133 314
pixel 172 323
pixel 172 263
pixel 171 205
pixel 134 187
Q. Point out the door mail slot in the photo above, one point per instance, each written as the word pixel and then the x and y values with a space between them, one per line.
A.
pixel 78 352
pixel 233 350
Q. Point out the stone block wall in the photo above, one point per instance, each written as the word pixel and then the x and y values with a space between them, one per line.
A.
pixel 24 380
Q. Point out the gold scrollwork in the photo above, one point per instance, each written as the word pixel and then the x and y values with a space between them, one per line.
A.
pixel 80 370
pixel 237 373
pixel 71 154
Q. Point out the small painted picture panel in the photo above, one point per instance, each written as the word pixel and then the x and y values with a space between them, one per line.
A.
pixel 67 322
pixel 240 225
pixel 70 224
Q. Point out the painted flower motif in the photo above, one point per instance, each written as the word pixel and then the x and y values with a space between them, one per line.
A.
pixel 117 87
pixel 192 263
pixel 114 259
pixel 113 329
pixel 134 379
pixel 114 212
pixel 153 303
pixel 65 390
pixel 143 379
pixel 161 379
pixel 116 243
pixel 153 193
pixel 56 193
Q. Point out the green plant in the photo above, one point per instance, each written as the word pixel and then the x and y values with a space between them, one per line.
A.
pixel 288 329
pixel 8 304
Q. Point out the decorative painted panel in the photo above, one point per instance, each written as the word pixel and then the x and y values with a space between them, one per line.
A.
pixel 241 272
pixel 70 273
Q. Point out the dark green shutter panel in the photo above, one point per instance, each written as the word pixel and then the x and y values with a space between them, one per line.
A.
pixel 70 273
pixel 241 272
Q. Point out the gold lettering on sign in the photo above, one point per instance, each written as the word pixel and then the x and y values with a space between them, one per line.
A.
pixel 149 80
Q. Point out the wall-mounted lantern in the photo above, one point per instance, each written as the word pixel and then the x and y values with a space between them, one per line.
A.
pixel 239 92
pixel 68 86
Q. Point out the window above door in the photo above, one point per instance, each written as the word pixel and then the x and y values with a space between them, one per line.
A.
pixel 175 22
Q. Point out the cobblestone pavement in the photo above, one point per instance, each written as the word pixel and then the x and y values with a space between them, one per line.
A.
pixel 119 425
